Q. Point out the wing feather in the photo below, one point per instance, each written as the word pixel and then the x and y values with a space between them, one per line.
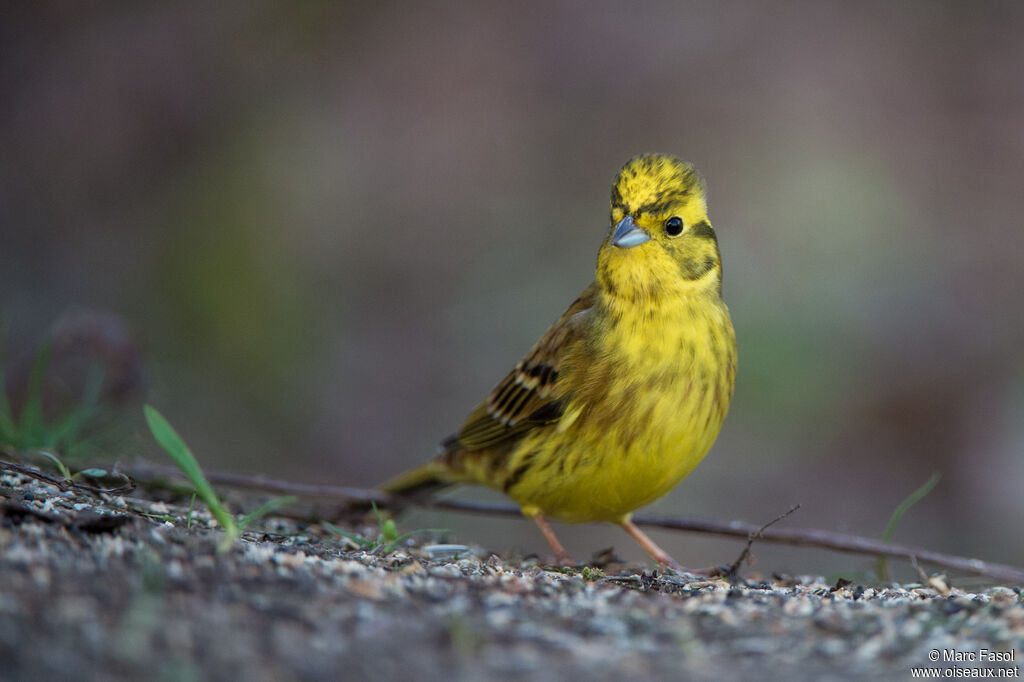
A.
pixel 530 394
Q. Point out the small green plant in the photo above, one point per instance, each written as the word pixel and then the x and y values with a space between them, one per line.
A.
pixel 387 538
pixel 882 568
pixel 183 458
pixel 168 518
pixel 564 570
pixel 358 540
pixel 30 430
pixel 265 509
pixel 590 573
pixel 65 472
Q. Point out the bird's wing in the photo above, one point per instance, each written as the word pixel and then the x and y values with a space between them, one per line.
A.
pixel 530 394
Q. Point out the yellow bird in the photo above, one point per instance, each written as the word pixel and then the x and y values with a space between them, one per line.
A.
pixel 626 392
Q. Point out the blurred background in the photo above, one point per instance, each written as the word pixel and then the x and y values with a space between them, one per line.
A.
pixel 327 232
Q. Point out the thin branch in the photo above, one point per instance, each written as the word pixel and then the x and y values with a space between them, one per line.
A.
pixel 798 537
pixel 148 470
pixel 840 542
pixel 66 484
pixel 753 536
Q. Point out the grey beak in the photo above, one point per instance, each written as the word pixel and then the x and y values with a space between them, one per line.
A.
pixel 628 234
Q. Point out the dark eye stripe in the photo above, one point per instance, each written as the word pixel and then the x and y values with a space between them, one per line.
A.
pixel 703 229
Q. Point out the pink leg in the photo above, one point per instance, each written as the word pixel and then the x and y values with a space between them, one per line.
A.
pixel 561 555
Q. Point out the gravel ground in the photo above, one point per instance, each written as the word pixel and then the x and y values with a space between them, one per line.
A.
pixel 121 588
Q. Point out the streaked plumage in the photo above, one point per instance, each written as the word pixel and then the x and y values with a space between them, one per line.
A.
pixel 626 392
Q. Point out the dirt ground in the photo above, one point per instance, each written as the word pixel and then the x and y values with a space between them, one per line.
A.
pixel 103 587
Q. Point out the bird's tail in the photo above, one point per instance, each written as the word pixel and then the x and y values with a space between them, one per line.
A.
pixel 420 482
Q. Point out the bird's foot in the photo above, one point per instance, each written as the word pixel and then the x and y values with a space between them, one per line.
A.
pixel 663 558
pixel 562 557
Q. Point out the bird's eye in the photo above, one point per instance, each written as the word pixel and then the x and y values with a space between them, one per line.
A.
pixel 674 226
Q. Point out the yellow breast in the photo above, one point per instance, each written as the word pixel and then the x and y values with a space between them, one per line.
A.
pixel 650 391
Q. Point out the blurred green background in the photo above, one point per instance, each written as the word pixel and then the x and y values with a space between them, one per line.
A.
pixel 334 226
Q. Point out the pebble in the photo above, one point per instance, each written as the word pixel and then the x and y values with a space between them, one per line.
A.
pixel 449 551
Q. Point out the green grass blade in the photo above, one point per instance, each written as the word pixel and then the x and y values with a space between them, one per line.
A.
pixel 897 515
pixel 8 427
pixel 264 509
pixel 360 541
pixel 32 427
pixel 908 502
pixel 390 547
pixel 65 434
pixel 61 467
pixel 170 441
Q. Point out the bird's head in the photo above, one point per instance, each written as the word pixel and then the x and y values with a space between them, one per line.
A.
pixel 661 241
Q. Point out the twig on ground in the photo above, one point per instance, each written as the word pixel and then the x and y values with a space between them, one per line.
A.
pixel 938 582
pixel 799 537
pixel 65 484
pixel 150 470
pixel 735 566
pixel 920 571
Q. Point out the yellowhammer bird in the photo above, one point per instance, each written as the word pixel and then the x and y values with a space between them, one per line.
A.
pixel 626 392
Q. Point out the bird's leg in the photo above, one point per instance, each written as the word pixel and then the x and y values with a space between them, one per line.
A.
pixel 660 555
pixel 561 555
pixel 657 553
